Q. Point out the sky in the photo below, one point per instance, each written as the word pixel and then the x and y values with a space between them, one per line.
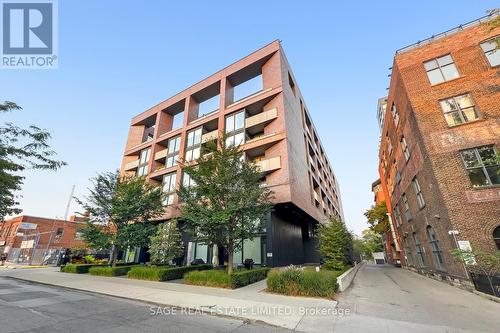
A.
pixel 118 58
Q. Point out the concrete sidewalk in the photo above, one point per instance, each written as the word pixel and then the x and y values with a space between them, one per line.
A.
pixel 250 302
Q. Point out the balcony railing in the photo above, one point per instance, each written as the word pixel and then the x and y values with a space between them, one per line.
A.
pixel 210 136
pixel 269 165
pixel 261 118
pixel 161 154
pixel 131 165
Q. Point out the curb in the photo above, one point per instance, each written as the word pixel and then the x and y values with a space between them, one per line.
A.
pixel 161 305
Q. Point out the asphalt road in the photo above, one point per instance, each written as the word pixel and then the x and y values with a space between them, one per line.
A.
pixel 388 299
pixel 26 307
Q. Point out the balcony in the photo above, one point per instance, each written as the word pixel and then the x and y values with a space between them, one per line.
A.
pixel 131 165
pixel 161 154
pixel 259 121
pixel 269 165
pixel 210 136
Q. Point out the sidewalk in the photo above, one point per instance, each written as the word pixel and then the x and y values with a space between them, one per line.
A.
pixel 250 302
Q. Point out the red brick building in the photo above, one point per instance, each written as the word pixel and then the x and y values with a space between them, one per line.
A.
pixel 257 103
pixel 29 239
pixel 439 163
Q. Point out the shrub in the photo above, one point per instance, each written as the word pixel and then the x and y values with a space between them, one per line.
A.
pixel 298 282
pixel 219 278
pixel 89 259
pixel 109 271
pixel 77 269
pixel 158 273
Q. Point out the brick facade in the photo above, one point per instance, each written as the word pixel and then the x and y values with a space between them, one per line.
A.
pixel 451 202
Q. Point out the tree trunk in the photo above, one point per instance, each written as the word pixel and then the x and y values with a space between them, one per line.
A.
pixel 114 254
pixel 230 249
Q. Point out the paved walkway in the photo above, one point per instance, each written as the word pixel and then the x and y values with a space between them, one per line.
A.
pixel 250 302
pixel 388 299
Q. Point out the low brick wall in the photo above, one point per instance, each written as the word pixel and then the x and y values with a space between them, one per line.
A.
pixel 345 280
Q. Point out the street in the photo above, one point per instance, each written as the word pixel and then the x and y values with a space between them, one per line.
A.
pixel 388 299
pixel 26 307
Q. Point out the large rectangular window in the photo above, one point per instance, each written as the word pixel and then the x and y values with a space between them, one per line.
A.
pixel 142 169
pixel 407 249
pixel 235 129
pixel 395 115
pixel 174 144
pixel 404 148
pixel 187 181
pixel 420 251
pixel 491 50
pixel 459 109
pixel 169 182
pixel 397 215
pixel 437 253
pixel 193 144
pixel 418 193
pixel 483 165
pixel 441 69
pixel 408 215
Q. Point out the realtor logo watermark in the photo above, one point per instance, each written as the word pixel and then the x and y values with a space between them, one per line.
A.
pixel 28 34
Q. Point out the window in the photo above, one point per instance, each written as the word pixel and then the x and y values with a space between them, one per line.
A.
pixel 408 215
pixel 395 114
pixel 397 215
pixel 193 144
pixel 187 181
pixel 78 235
pixel 419 250
pixel 490 49
pixel 169 188
pixel 59 233
pixel 437 253
pixel 177 121
pixel 142 170
pixel 459 109
pixel 407 249
pixel 418 193
pixel 389 144
pixel 441 69
pixel 235 128
pixel 404 148
pixel 483 165
pixel 174 145
pixel 496 237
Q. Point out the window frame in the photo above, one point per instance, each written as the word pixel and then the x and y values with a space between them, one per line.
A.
pixel 406 204
pixel 395 115
pixel 191 147
pixel 405 148
pixel 420 251
pixel 440 67
pixel 172 185
pixel 143 167
pixel 231 134
pixel 481 164
pixel 437 252
pixel 459 110
pixel 496 49
pixel 175 154
pixel 496 238
pixel 418 192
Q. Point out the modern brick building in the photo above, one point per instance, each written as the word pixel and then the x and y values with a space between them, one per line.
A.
pixel 31 239
pixel 256 102
pixel 440 132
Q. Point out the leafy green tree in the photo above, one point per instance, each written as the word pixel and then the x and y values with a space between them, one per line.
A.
pixel 377 218
pixel 120 212
pixel 369 242
pixel 20 148
pixel 480 261
pixel 227 204
pixel 335 245
pixel 166 244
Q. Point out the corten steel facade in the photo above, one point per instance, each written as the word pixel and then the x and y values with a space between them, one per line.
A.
pixel 275 130
pixel 439 135
pixel 49 235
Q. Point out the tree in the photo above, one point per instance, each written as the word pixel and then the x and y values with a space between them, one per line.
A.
pixel 378 218
pixel 335 245
pixel 120 212
pixel 20 148
pixel 227 204
pixel 482 262
pixel 166 244
pixel 369 243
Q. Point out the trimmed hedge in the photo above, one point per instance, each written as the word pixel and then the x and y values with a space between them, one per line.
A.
pixel 109 271
pixel 218 278
pixel 296 282
pixel 78 269
pixel 163 274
